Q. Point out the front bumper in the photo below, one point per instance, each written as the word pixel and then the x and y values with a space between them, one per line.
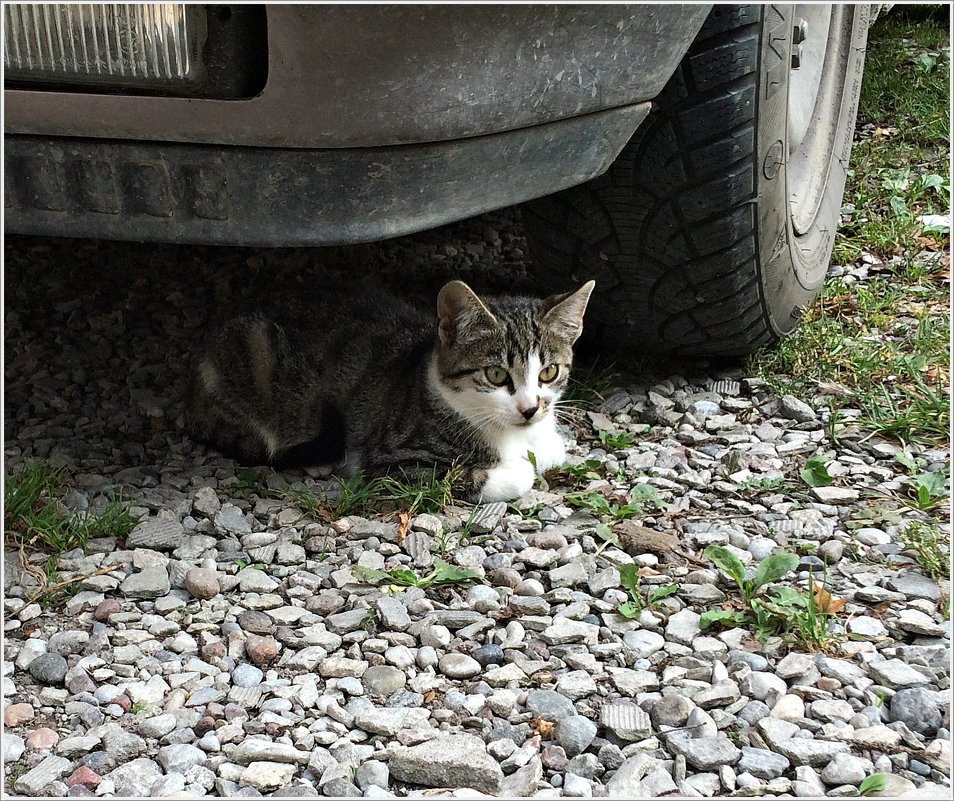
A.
pixel 206 194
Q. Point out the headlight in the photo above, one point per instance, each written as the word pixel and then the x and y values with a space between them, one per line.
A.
pixel 122 44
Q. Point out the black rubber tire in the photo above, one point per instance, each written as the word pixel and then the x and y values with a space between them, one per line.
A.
pixel 690 234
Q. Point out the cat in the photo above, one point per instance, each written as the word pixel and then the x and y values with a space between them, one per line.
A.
pixel 374 384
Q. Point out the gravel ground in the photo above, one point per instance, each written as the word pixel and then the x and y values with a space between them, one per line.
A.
pixel 184 671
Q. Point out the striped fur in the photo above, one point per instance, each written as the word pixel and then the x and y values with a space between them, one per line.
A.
pixel 374 384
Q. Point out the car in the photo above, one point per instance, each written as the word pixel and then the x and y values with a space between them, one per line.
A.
pixel 689 157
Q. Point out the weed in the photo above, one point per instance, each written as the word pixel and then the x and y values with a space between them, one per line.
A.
pixel 443 573
pixel 931 547
pixel 587 469
pixel 614 441
pixel 764 484
pixel 424 491
pixel 815 473
pixel 35 516
pixel 630 579
pixel 601 507
pixel 872 784
pixel 928 489
pixel 801 617
pixel 590 383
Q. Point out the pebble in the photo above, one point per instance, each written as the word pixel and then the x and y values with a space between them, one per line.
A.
pixel 233 650
pixel 201 583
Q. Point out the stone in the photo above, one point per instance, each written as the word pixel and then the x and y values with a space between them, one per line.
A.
pixel 563 631
pixel 179 758
pixel 455 760
pixel 246 675
pixel 254 749
pixel 918 622
pixel 792 408
pixel 390 720
pixel 13 747
pixel 683 626
pixel 393 614
pixel 122 745
pixel 42 739
pixel 868 627
pixel 643 643
pixel 83 775
pixel 147 584
pixel 835 495
pixel 846 769
pixel 49 669
pixel 229 519
pixel 267 776
pixel 261 650
pixel 488 655
pixel 549 705
pixel 627 781
pixel 671 710
pixel 50 770
pixel 201 583
pixel 459 666
pixel 762 763
pixel 918 709
pixel 157 535
pixel 17 714
pixel 574 733
pixel 706 753
pixel 627 721
pixel 815 753
pixel 523 782
pixel 374 772
pixel 134 778
pixel 895 674
pixel 384 680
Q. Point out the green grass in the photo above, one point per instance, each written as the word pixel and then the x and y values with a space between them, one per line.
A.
pixel 426 491
pixel 886 339
pixel 931 548
pixel 34 517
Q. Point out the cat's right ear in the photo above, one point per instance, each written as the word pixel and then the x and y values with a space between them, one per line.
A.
pixel 459 312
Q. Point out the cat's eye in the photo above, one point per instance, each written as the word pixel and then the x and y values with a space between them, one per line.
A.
pixel 549 373
pixel 497 376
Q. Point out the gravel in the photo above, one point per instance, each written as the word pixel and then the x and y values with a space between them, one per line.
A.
pixel 225 647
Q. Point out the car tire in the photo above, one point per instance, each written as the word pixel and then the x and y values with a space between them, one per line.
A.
pixel 714 226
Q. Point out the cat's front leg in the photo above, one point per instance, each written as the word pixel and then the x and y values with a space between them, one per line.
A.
pixel 548 447
pixel 507 481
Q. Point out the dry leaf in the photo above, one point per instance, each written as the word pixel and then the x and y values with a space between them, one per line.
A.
pixel 826 602
pixel 404 522
pixel 542 727
pixel 646 570
pixel 429 696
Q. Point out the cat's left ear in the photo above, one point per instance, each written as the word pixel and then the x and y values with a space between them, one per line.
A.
pixel 564 313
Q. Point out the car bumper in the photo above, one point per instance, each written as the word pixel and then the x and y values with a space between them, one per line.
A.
pixel 202 194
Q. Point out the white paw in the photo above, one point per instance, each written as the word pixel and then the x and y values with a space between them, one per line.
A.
pixel 508 481
pixel 549 450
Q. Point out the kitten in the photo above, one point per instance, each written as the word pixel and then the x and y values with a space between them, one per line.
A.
pixel 374 384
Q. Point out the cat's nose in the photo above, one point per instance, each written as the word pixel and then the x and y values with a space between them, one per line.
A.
pixel 529 413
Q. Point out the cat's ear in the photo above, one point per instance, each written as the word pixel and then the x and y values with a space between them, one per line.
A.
pixel 564 313
pixel 461 313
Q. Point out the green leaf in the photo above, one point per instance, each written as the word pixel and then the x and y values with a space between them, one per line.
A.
pixel 873 784
pixel 773 567
pixel 933 483
pixel 369 575
pixel 629 610
pixel 726 561
pixel 726 617
pixel 658 593
pixel 907 460
pixel 532 458
pixel 629 578
pixel 605 533
pixel 815 474
pixel 445 573
pixel 404 577
pixel 610 440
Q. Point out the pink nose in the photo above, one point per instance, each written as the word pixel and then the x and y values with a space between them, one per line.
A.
pixel 529 411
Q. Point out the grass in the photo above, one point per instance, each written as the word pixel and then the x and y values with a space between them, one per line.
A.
pixel 931 548
pixel 34 517
pixel 426 491
pixel 885 340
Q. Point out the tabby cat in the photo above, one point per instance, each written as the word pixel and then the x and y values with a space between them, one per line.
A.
pixel 374 384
